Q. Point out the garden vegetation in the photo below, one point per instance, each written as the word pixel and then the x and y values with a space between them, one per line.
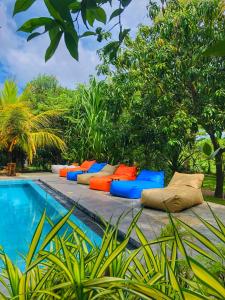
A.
pixel 181 264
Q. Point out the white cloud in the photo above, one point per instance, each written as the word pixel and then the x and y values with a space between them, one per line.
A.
pixel 23 61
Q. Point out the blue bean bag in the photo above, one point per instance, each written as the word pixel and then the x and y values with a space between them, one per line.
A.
pixel 96 167
pixel 73 175
pixel 132 189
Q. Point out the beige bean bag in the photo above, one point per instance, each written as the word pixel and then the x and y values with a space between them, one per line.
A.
pixel 183 191
pixel 85 178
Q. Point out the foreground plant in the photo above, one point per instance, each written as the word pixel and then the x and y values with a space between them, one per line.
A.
pixel 71 266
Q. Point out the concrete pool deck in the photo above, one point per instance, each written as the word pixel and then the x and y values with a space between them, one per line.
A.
pixel 110 208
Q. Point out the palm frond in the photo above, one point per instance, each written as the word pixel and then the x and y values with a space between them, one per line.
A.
pixel 9 93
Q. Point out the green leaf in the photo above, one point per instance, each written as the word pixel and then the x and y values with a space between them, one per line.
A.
pixel 63 9
pixel 112 256
pixel 174 282
pixel 190 295
pixel 55 230
pixel 33 35
pixel 148 252
pixel 53 258
pixel 220 235
pixel 53 46
pixel 75 7
pixel 71 41
pixel 88 33
pixel 99 14
pixel 90 17
pixel 35 240
pixel 53 12
pixel 123 34
pixel 116 13
pixel 206 277
pixel 22 5
pixel 125 2
pixel 34 23
pixel 199 250
pixel 203 239
pixel 80 233
pixel 22 288
pixel 207 149
pixel 218 49
pixel 101 255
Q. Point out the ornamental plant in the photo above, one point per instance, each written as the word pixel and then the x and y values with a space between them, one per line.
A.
pixel 71 266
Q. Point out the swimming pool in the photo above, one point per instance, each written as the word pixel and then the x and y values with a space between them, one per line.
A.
pixel 22 203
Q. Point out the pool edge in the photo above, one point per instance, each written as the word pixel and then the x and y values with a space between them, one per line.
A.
pixel 132 244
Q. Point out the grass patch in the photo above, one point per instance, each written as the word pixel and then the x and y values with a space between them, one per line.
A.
pixel 214 200
pixel 210 182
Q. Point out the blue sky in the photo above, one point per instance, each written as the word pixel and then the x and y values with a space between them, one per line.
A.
pixel 23 61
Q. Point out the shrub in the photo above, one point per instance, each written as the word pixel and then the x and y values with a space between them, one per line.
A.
pixel 70 266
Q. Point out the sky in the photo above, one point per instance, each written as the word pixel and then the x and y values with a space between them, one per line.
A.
pixel 22 61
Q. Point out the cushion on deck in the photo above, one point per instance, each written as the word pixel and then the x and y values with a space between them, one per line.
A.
pixel 63 171
pixel 121 173
pixel 56 168
pixel 100 183
pixel 73 175
pixel 96 167
pixel 83 167
pixel 172 199
pixel 126 171
pixel 132 189
pixel 182 179
pixel 149 175
pixel 109 169
pixel 87 164
pixel 85 178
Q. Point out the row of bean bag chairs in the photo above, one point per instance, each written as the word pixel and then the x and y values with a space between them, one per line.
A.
pixel 95 168
pixel 183 191
pixel 83 167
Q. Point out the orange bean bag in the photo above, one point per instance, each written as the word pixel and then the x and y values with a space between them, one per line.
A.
pixel 122 173
pixel 83 167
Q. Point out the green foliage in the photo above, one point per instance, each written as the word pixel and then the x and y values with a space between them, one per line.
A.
pixel 72 267
pixel 207 149
pixel 218 49
pixel 20 128
pixel 66 18
pixel 86 130
pixel 169 88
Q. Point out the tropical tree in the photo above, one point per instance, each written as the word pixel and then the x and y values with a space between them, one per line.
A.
pixel 21 128
pixel 86 130
pixel 176 89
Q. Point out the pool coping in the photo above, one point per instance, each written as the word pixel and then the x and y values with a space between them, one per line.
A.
pixel 132 243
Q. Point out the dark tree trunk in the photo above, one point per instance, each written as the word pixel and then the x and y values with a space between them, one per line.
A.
pixel 10 157
pixel 219 168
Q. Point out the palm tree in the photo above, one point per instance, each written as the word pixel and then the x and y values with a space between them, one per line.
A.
pixel 20 127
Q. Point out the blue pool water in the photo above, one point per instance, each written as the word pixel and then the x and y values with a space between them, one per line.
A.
pixel 21 206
